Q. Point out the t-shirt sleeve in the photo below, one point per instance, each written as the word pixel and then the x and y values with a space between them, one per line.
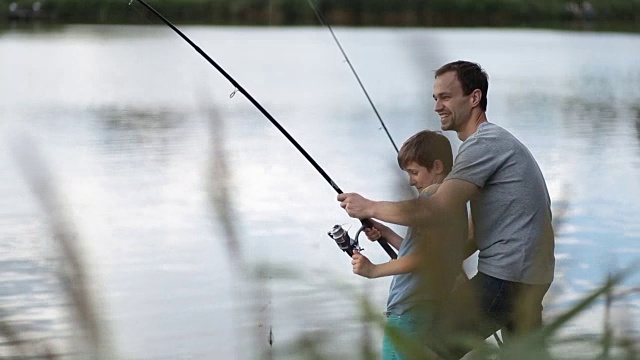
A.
pixel 476 162
pixel 408 244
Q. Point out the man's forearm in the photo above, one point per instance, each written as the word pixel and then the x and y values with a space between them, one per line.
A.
pixel 409 212
pixel 451 195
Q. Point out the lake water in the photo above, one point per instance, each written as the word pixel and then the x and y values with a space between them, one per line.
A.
pixel 133 127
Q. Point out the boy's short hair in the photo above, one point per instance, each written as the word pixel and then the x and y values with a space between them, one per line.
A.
pixel 425 147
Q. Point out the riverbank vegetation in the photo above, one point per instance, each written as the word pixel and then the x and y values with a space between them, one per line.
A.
pixel 542 13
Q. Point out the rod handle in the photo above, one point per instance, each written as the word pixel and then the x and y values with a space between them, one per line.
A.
pixel 385 245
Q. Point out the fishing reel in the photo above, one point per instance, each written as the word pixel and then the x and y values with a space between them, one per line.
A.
pixel 344 241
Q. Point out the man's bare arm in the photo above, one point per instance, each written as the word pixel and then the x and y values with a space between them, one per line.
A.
pixel 431 210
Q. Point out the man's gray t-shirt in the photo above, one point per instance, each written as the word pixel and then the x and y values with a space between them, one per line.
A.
pixel 511 214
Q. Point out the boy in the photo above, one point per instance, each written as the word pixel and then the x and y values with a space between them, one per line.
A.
pixel 426 268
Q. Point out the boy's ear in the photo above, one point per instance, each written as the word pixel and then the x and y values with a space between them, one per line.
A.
pixel 438 166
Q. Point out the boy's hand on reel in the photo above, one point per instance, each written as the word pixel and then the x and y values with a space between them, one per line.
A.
pixel 362 265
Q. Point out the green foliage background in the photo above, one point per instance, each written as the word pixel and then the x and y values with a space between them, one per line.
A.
pixel 338 12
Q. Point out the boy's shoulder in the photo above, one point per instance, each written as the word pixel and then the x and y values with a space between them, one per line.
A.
pixel 429 190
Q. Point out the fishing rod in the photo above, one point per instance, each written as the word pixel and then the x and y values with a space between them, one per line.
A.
pixel 353 70
pixel 365 222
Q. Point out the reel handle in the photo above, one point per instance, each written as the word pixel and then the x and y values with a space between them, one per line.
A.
pixel 349 245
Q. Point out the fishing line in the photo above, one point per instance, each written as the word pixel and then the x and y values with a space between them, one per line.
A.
pixel 238 87
pixel 353 70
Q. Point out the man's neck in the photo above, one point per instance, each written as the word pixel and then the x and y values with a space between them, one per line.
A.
pixel 476 118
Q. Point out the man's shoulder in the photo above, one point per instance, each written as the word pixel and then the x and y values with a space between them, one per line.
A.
pixel 490 136
pixel 491 130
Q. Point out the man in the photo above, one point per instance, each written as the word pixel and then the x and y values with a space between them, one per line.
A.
pixel 510 211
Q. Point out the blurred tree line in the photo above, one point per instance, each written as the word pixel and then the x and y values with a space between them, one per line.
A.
pixel 337 12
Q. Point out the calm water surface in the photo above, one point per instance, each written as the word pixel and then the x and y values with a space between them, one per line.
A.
pixel 131 122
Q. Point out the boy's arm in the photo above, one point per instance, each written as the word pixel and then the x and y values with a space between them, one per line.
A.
pixel 394 239
pixel 384 231
pixel 404 264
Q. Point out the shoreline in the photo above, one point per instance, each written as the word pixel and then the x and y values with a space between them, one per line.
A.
pixel 586 28
pixel 595 15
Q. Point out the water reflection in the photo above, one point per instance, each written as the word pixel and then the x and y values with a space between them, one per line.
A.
pixel 142 134
pixel 637 111
pixel 590 107
pixel 31 304
pixel 31 297
pixel 594 119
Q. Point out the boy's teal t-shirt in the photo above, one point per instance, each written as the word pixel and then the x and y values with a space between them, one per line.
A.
pixel 411 289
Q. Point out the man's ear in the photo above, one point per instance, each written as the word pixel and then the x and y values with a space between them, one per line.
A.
pixel 476 96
